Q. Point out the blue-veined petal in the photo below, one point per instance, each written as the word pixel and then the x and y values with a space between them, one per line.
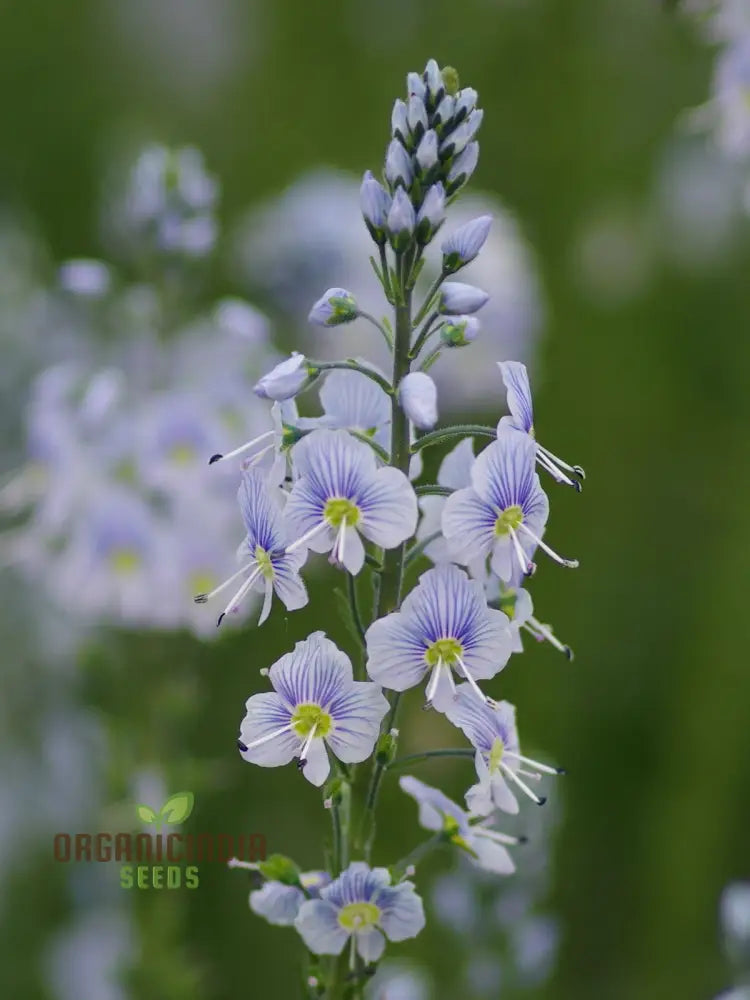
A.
pixel 357 715
pixel 318 925
pixel 516 380
pixel 402 912
pixel 266 731
pixel 277 903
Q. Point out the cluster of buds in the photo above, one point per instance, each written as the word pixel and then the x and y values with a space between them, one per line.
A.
pixel 432 154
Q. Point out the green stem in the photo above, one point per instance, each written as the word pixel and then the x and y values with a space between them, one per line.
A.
pixel 384 268
pixel 418 854
pixel 429 298
pixel 423 335
pixel 414 758
pixel 446 433
pixel 354 602
pixel 380 452
pixel 350 366
pixel 432 489
pixel 416 550
pixel 338 841
pixel 378 326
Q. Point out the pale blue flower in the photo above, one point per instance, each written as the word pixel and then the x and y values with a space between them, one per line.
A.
pixel 285 380
pixel 279 903
pixel 458 139
pixel 415 85
pixel 516 603
pixel 341 493
pixel 504 512
pixel 334 307
pixel 460 331
pixel 444 625
pixel 416 115
pixel 433 79
pixel 399 122
pixel 269 566
pixel 431 215
pixel 352 401
pixel 427 151
pixel 398 168
pixel 491 730
pixel 485 846
pixel 444 111
pixel 417 395
pixel 466 101
pixel 457 298
pixel 521 417
pixel 363 907
pixel 315 703
pixel 374 202
pixel 269 449
pixel 455 473
pixel 401 220
pixel 91 279
pixel 463 167
pixel 461 247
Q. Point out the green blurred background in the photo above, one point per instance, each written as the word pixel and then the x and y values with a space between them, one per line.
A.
pixel 644 383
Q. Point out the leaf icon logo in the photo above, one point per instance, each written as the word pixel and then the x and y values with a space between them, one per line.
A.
pixel 176 809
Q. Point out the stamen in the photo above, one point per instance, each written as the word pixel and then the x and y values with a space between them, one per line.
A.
pixel 500 838
pixel 203 598
pixel 432 685
pixel 557 474
pixel 547 768
pixel 242 449
pixel 269 736
pixel 542 633
pixel 540 800
pixel 306 746
pixel 353 946
pixel 570 563
pixel 234 603
pixel 474 686
pixel 307 536
pixel 254 459
pixel 266 609
pixel 247 865
pixel 575 469
pixel 527 567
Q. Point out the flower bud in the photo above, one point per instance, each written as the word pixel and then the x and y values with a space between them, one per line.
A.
pixel 456 298
pixel 450 80
pixel 374 201
pixel 401 220
pixel 460 137
pixel 334 307
pixel 444 111
pixel 278 868
pixel 466 101
pixel 464 245
pixel 460 331
pixel 385 750
pixel 434 83
pixel 415 85
pixel 432 214
pixel 398 169
pixel 417 395
pixel 399 122
pixel 285 380
pixel 427 151
pixel 416 115
pixel 463 167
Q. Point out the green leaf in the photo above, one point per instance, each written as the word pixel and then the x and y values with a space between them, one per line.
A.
pixel 177 808
pixel 146 814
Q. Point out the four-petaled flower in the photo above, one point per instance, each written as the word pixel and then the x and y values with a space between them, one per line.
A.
pixel 504 512
pixel 521 418
pixel 269 566
pixel 491 729
pixel 341 493
pixel 443 625
pixel 475 835
pixel 279 903
pixel 363 907
pixel 315 702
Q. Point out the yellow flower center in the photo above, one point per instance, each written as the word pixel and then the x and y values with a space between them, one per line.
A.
pixel 124 561
pixel 263 560
pixel 496 755
pixel 202 582
pixel 339 510
pixel 308 716
pixel 182 454
pixel 357 916
pixel 511 517
pixel 447 650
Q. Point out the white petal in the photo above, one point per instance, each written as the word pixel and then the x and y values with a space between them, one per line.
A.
pixel 491 856
pixel 503 562
pixel 266 714
pixel 479 799
pixel 288 585
pixel 455 469
pixel 370 944
pixel 354 551
pixel 394 660
pixel 318 926
pixel 502 796
pixel 468 525
pixel 277 903
pixel 389 508
pixel 357 715
pixel 318 766
pixel 402 912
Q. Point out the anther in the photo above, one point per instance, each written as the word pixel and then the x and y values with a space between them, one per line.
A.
pixel 200 598
pixel 241 746
pixel 215 458
pixel 222 616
